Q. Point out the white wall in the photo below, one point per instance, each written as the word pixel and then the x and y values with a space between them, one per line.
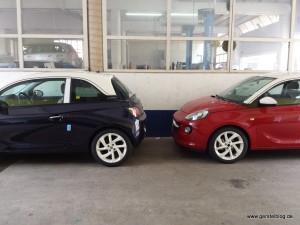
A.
pixel 169 91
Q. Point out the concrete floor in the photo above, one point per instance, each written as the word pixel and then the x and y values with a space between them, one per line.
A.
pixel 159 185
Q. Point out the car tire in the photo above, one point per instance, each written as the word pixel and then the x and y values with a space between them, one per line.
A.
pixel 111 147
pixel 228 145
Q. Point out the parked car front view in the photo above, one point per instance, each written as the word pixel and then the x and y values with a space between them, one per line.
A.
pixel 261 112
pixel 73 112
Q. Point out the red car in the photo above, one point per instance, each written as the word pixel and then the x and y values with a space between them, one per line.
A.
pixel 259 113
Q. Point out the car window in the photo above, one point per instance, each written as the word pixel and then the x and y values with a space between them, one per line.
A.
pixel 15 89
pixel 245 89
pixel 51 88
pixel 276 91
pixel 34 92
pixel 287 93
pixel 83 91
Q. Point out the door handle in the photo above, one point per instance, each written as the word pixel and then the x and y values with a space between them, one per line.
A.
pixel 56 118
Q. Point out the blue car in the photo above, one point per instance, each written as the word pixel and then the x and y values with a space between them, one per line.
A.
pixel 70 112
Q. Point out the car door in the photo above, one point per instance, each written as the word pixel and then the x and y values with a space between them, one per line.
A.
pixel 279 126
pixel 34 120
pixel 90 111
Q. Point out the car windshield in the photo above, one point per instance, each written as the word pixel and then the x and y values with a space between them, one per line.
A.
pixel 243 90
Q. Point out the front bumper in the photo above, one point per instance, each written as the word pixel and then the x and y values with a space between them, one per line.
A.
pixel 190 134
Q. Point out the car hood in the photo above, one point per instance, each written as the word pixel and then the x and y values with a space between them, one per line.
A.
pixel 210 103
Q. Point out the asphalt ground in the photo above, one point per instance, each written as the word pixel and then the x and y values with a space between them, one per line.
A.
pixel 159 185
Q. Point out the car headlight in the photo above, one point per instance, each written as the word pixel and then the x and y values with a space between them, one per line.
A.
pixel 197 115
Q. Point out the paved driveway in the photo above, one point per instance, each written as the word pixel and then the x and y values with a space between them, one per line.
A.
pixel 159 185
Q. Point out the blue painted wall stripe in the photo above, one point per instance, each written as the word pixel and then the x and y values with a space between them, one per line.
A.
pixel 159 123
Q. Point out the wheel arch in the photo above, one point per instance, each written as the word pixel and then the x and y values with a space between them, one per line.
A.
pixel 233 126
pixel 108 128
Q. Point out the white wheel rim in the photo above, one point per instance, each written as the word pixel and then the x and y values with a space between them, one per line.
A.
pixel 229 145
pixel 111 147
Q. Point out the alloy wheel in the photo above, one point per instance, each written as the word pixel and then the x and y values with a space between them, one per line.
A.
pixel 111 147
pixel 228 145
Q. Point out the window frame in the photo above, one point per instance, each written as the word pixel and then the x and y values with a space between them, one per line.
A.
pixel 20 36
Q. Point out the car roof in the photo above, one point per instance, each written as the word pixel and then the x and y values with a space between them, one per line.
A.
pixel 100 80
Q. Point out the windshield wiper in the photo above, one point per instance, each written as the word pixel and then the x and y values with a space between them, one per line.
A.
pixel 221 98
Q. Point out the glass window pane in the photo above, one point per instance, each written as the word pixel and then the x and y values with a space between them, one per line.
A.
pixel 82 91
pixel 53 53
pixel 9 53
pixel 260 56
pixel 297 27
pixel 136 17
pixel 287 93
pixel 8 17
pixel 200 18
pixel 296 60
pixel 52 17
pixel 198 55
pixel 34 92
pixel 266 18
pixel 135 54
pixel 51 88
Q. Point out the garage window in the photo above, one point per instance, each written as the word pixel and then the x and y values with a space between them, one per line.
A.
pixel 210 36
pixel 44 34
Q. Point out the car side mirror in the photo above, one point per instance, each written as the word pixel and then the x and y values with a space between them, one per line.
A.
pixel 267 101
